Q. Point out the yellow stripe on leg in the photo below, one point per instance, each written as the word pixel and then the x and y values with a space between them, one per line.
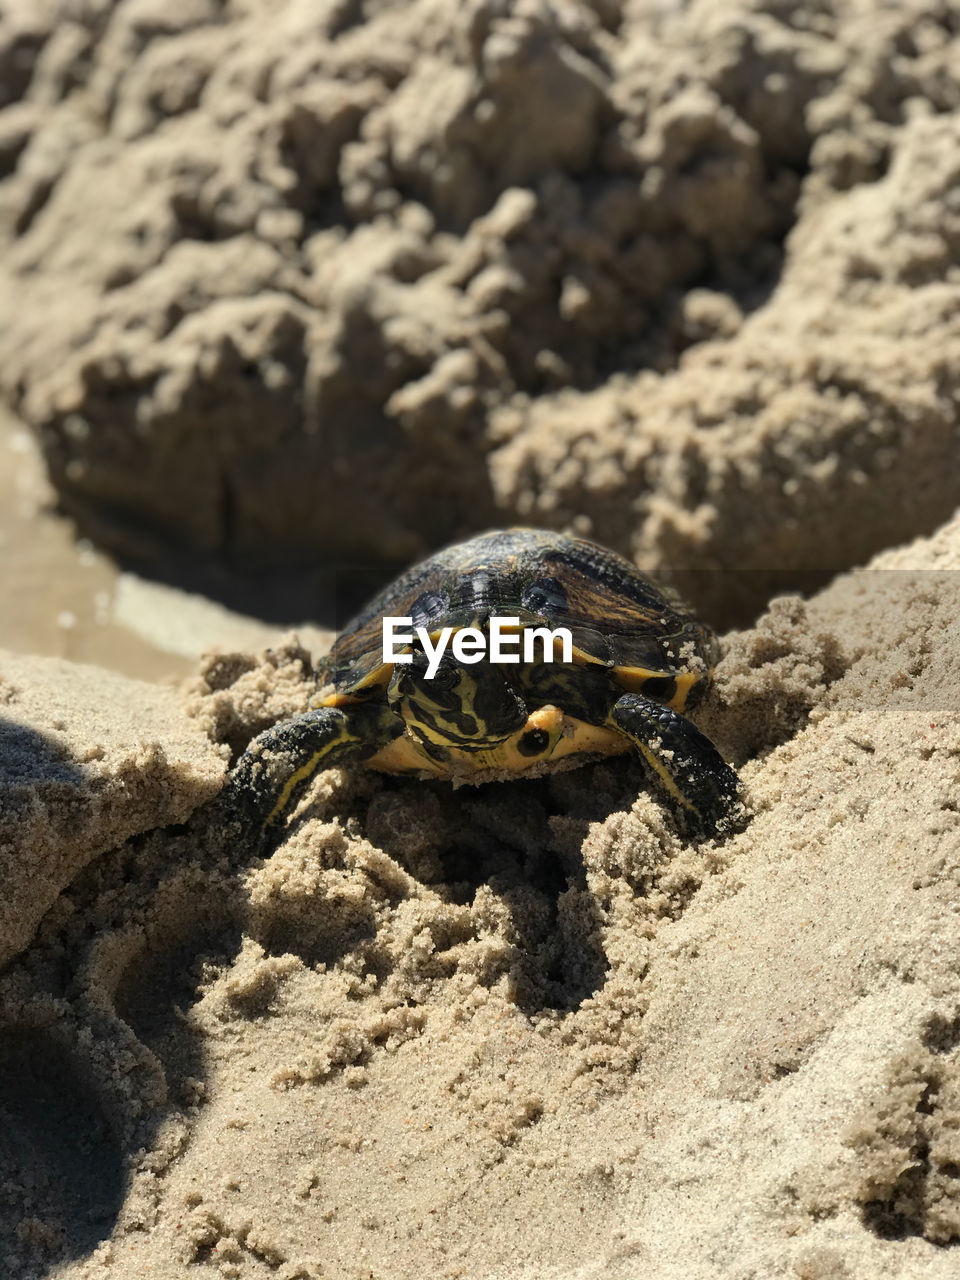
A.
pixel 300 775
pixel 656 763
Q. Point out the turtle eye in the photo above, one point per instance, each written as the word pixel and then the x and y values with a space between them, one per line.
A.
pixel 533 742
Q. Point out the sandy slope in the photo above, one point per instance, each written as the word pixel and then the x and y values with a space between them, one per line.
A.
pixel 87 760
pixel 525 1030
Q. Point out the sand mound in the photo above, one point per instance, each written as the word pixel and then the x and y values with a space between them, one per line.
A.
pixel 261 255
pixel 87 759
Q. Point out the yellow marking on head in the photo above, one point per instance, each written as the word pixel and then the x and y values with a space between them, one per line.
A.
pixel 568 737
pixel 633 679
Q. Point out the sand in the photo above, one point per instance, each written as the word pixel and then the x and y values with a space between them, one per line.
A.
pixel 64 597
pixel 309 288
pixel 517 1030
pixel 675 275
pixel 87 760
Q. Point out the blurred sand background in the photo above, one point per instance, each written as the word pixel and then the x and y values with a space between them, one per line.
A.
pixel 295 291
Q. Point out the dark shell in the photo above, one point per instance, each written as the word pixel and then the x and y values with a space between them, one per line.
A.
pixel 616 614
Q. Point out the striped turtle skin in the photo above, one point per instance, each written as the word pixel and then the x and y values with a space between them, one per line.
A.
pixel 638 661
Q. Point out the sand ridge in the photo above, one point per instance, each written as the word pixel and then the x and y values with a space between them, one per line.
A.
pixel 87 759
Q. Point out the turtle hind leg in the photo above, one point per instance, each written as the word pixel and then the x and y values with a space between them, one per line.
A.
pixel 272 773
pixel 685 761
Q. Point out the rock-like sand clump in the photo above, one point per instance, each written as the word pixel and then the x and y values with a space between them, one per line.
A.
pixel 279 264
pixel 87 759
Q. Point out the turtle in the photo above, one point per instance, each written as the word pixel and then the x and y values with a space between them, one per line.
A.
pixel 637 660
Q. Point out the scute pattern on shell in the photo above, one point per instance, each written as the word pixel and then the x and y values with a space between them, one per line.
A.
pixel 617 616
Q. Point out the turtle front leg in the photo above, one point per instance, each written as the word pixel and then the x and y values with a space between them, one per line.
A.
pixel 686 762
pixel 271 774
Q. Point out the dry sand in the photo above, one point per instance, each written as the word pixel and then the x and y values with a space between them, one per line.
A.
pixel 685 277
pixel 676 274
pixel 516 1031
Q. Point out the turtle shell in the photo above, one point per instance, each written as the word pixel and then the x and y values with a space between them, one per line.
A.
pixel 618 617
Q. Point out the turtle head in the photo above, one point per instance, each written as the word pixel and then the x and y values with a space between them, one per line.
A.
pixel 470 707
